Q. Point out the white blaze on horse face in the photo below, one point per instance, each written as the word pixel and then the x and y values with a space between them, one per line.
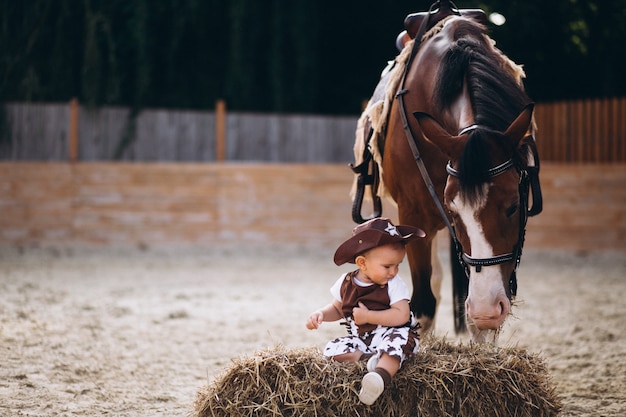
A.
pixel 469 216
pixel 486 304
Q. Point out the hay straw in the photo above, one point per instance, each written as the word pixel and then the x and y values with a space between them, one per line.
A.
pixel 441 380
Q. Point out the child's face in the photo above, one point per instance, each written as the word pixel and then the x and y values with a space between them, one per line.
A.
pixel 380 264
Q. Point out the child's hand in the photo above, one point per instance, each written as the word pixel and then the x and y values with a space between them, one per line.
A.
pixel 360 314
pixel 314 321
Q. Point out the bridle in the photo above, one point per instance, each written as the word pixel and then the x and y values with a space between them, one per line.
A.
pixel 523 189
pixel 516 254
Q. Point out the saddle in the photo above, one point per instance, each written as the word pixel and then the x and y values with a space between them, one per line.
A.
pixel 413 21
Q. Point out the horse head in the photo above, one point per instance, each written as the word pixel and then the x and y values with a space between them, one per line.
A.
pixel 482 196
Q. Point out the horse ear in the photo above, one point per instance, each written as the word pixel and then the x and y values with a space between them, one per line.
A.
pixel 521 125
pixel 436 134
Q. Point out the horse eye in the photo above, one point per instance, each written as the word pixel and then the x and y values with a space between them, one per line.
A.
pixel 511 210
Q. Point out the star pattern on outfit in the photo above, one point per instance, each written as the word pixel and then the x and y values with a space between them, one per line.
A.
pixel 391 229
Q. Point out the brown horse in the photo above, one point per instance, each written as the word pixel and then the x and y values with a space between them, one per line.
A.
pixel 456 152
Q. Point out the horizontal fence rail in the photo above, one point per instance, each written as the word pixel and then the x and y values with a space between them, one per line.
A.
pixel 572 131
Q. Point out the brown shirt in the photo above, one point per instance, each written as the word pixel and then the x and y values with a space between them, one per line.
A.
pixel 374 297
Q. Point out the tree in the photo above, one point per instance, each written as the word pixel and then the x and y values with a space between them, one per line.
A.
pixel 279 55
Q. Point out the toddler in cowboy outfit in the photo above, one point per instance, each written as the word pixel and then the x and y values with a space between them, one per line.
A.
pixel 374 301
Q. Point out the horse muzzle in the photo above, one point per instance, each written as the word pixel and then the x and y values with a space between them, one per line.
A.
pixel 489 310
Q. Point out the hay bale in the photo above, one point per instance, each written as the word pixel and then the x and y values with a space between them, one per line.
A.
pixel 441 380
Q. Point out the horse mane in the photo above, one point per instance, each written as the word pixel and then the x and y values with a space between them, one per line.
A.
pixel 495 92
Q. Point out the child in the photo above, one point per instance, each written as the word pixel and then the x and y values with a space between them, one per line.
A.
pixel 374 301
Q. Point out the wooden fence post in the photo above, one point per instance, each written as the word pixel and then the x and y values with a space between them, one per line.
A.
pixel 220 130
pixel 73 133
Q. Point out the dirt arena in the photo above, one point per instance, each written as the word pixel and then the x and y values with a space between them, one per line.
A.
pixel 137 332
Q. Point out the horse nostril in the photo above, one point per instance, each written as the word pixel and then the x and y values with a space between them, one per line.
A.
pixel 504 307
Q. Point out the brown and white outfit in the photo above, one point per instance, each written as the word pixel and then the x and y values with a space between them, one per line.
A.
pixel 400 342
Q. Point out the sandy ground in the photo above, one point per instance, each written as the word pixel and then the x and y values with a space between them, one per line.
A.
pixel 137 333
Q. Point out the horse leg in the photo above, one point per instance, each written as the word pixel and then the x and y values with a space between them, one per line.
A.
pixel 460 285
pixel 436 277
pixel 423 302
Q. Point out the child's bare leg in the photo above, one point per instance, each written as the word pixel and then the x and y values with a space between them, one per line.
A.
pixel 349 357
pixel 391 364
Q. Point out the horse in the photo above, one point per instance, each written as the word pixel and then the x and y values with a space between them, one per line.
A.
pixel 457 151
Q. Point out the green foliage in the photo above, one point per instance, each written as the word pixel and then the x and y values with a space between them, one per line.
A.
pixel 278 55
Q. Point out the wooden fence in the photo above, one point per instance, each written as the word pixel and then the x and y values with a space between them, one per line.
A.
pixel 582 131
pixel 576 131
pixel 43 132
pixel 157 204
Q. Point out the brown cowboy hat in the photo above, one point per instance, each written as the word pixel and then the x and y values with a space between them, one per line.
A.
pixel 371 234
